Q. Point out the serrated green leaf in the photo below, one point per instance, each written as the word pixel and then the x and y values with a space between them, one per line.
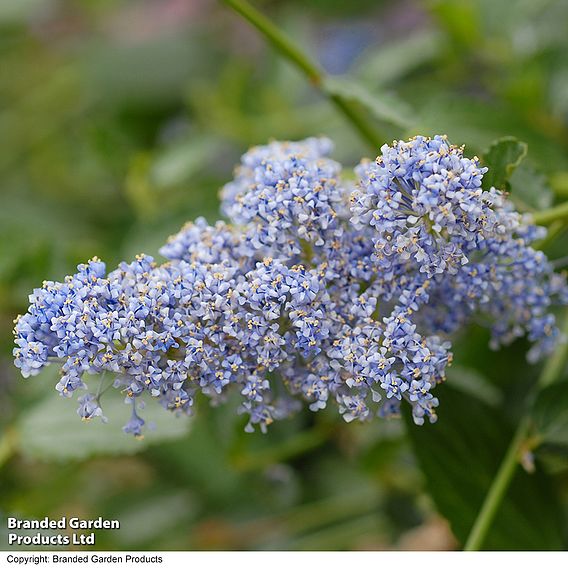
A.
pixel 550 413
pixel 459 456
pixel 502 158
pixel 52 431
pixel 383 106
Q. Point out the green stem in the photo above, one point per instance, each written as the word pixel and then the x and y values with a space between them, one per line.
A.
pixel 286 47
pixel 359 121
pixel 552 370
pixel 498 489
pixel 550 215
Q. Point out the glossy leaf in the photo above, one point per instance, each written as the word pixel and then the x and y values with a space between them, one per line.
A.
pixel 550 413
pixel 52 431
pixel 530 188
pixel 502 158
pixel 459 456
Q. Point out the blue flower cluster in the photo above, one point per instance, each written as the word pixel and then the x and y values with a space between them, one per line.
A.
pixel 316 290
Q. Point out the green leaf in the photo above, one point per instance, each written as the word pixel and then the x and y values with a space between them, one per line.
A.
pixel 459 456
pixel 466 119
pixel 147 519
pixel 383 106
pixel 472 382
pixel 461 20
pixel 502 158
pixel 530 188
pixel 393 61
pixel 52 431
pixel 180 161
pixel 550 413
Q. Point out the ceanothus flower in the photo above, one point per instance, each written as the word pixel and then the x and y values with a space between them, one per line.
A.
pixel 287 197
pixel 313 292
pixel 425 202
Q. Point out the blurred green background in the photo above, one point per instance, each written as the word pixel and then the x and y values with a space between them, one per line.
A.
pixel 120 120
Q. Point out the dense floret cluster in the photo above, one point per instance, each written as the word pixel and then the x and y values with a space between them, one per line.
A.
pixel 316 290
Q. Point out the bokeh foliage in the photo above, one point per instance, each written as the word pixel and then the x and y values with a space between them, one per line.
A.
pixel 121 119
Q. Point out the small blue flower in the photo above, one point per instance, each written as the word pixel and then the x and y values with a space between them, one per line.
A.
pixel 316 291
pixel 89 408
pixel 134 425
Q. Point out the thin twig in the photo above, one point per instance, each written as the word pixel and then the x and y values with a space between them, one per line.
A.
pixel 317 77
